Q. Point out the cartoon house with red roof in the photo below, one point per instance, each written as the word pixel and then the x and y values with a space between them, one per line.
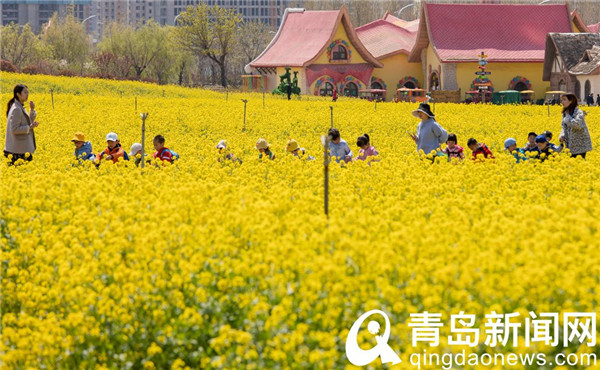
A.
pixel 573 63
pixel 451 36
pixel 390 40
pixel 323 49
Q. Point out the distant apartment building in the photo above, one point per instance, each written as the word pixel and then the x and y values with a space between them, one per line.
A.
pixel 38 12
pixel 98 13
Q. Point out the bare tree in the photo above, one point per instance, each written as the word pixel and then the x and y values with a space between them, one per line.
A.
pixel 210 31
pixel 253 39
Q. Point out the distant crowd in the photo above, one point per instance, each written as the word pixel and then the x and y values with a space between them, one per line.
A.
pixel 20 141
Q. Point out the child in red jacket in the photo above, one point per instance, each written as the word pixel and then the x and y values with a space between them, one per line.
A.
pixel 479 149
pixel 163 153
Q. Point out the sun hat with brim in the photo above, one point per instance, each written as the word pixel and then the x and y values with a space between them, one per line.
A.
pixel 112 137
pixel 424 108
pixel 509 142
pixel 135 148
pixel 262 144
pixel 221 145
pixel 79 136
pixel 292 145
pixel 541 139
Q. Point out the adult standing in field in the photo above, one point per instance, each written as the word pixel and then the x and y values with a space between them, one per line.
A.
pixel 20 137
pixel 574 133
pixel 430 134
pixel 590 100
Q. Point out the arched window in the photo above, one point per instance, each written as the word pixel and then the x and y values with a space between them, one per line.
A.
pixel 562 85
pixel 578 90
pixel 326 89
pixel 339 53
pixel 587 88
pixel 410 85
pixel 520 86
pixel 376 85
pixel 434 81
pixel 351 89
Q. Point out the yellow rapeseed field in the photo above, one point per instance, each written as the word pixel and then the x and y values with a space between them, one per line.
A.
pixel 215 264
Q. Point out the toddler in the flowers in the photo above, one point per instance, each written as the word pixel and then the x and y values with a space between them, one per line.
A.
pixel 366 149
pixel 453 150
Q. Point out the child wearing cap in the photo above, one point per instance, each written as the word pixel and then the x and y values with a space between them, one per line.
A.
pixel 83 149
pixel 366 149
pixel 510 144
pixel 136 152
pixel 113 150
pixel 223 154
pixel 453 150
pixel 263 147
pixel 479 149
pixel 545 151
pixel 338 147
pixel 294 149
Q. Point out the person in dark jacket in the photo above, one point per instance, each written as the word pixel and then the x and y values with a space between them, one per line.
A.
pixel 531 146
pixel 590 100
pixel 546 150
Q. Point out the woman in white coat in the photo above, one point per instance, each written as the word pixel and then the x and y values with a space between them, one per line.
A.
pixel 20 125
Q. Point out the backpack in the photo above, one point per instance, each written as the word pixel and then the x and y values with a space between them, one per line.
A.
pixel 174 155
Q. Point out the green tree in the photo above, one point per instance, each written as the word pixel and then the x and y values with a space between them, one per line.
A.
pixel 67 41
pixel 147 43
pixel 164 65
pixel 210 31
pixel 20 45
pixel 141 47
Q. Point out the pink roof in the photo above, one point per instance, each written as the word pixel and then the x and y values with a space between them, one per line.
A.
pixel 594 28
pixel 506 33
pixel 412 26
pixel 384 38
pixel 304 35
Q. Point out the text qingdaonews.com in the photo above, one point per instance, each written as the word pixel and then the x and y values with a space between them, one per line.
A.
pixel 448 360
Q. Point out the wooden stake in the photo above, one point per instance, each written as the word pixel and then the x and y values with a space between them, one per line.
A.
pixel 52 97
pixel 245 102
pixel 331 109
pixel 144 116
pixel 325 141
